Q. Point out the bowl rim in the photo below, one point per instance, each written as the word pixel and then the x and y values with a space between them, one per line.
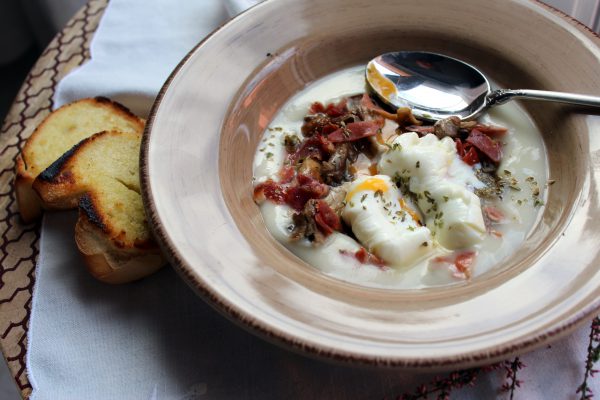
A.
pixel 280 337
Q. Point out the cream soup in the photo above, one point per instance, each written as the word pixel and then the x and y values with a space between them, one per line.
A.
pixel 409 206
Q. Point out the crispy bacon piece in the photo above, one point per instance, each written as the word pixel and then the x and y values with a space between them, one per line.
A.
pixel 318 147
pixel 336 110
pixel 491 130
pixel 367 102
pixel 317 124
pixel 354 131
pixel 306 189
pixel 493 213
pixel 286 173
pixel 327 220
pixel 460 265
pixel 316 108
pixel 329 128
pixel 270 190
pixel 471 157
pixel 296 195
pixel 316 221
pixel 364 257
pixel 332 110
pixel 466 152
pixel 460 148
pixel 486 145
pixel 464 261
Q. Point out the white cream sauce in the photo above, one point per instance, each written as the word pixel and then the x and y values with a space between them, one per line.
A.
pixel 524 157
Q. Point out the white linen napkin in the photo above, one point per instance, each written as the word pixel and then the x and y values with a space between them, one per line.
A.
pixel 137 45
pixel 155 339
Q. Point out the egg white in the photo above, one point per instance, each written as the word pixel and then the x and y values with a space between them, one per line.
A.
pixel 452 211
pixel 380 223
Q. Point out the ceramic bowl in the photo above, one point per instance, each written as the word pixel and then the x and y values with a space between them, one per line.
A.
pixel 197 171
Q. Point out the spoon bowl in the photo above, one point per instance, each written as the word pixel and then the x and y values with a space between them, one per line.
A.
pixel 436 86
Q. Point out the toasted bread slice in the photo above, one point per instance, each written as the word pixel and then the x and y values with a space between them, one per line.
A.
pixel 57 133
pixel 101 175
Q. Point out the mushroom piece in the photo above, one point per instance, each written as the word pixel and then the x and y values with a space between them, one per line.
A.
pixel 335 169
pixel 312 168
pixel 447 127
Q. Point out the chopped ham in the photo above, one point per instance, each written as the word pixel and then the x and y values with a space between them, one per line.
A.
pixel 286 173
pixel 327 220
pixel 307 188
pixel 491 130
pixel 493 213
pixel 367 103
pixel 460 149
pixel 466 152
pixel 332 110
pixel 316 108
pixel 295 195
pixel 365 257
pixel 486 145
pixel 336 110
pixel 354 131
pixel 460 265
pixel 269 190
pixel 471 156
pixel 463 263
pixel 318 147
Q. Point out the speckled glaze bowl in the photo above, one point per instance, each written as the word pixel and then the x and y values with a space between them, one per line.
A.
pixel 197 170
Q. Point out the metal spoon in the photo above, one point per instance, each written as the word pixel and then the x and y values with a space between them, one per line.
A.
pixel 436 86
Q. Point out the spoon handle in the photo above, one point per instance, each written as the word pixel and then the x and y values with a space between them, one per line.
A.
pixel 503 95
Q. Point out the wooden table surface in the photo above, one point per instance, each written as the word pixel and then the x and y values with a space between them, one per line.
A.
pixel 19 242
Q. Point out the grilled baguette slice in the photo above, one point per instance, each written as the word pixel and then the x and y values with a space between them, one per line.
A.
pixel 57 133
pixel 101 175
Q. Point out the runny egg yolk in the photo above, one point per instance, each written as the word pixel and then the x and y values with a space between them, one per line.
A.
pixel 386 87
pixel 415 216
pixel 372 184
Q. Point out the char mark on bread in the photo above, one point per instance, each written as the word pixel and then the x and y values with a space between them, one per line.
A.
pixel 119 106
pixel 56 134
pixel 52 174
pixel 88 208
